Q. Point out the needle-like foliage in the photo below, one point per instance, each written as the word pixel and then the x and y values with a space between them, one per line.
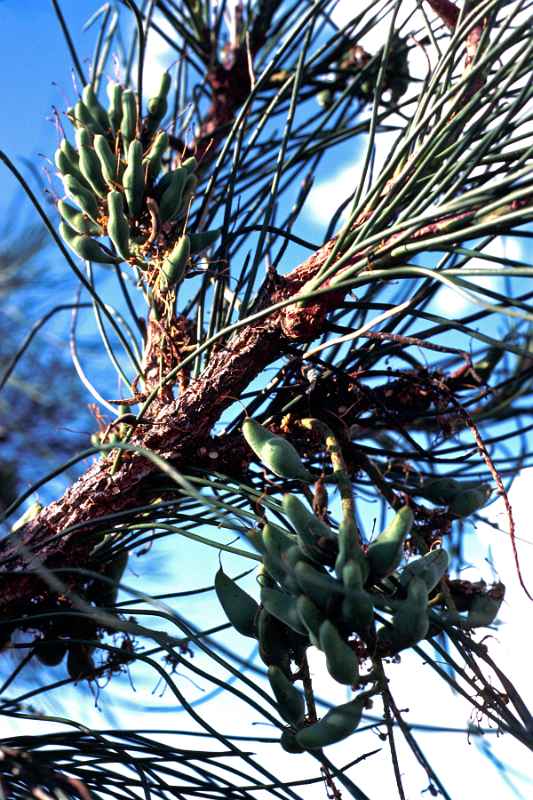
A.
pixel 328 408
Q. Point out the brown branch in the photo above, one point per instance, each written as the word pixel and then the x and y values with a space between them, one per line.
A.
pixel 230 80
pixel 178 431
pixel 473 37
pixel 385 693
pixel 447 11
pixel 415 747
pixel 449 14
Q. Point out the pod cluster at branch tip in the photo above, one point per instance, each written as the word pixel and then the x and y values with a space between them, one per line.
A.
pixel 124 200
pixel 317 591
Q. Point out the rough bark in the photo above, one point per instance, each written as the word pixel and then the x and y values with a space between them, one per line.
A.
pixel 176 433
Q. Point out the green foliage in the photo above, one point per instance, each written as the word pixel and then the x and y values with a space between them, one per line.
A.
pixel 315 400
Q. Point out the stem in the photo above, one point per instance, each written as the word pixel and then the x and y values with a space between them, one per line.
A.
pixel 340 473
pixel 308 689
pixel 385 695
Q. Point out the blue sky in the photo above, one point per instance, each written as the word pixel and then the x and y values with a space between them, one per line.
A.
pixel 33 56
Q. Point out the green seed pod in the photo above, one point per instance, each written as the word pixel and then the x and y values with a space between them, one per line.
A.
pixel 289 743
pixel 133 178
pixel 152 160
pixel 114 108
pixel 49 652
pixel 341 660
pixel 164 87
pixel 337 725
pixel 84 246
pixel 440 490
pixel 106 157
pixel 192 183
pixel 276 453
pixel 295 555
pixel 430 568
pixel 201 241
pixel 157 105
pixel 273 643
pixel 33 511
pixel 124 412
pixel 385 553
pixel 128 124
pixel 84 118
pixel 291 558
pixel 62 162
pixel 175 264
pixel 281 458
pixel 78 221
pixel 239 607
pixel 290 701
pixel 319 586
pixel 68 163
pixel 484 607
pixel 118 228
pixel 190 164
pixel 283 607
pixel 162 185
pixel 350 549
pixel 96 110
pixel 82 196
pixel 469 501
pixel 410 622
pixel 265 579
pixel 275 570
pixel 304 520
pixel 353 576
pixel 66 167
pixel 357 607
pixel 70 151
pixel 256 435
pixel 84 138
pixel 276 542
pixel 411 618
pixel 171 199
pixel 91 171
pixel 312 618
pixel 314 536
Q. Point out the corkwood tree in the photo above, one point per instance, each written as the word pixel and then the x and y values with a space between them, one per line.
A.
pixel 305 408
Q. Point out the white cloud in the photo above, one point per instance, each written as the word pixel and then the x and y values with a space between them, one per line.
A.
pixel 326 196
pixel 452 304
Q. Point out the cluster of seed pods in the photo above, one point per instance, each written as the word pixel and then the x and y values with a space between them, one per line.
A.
pixel 116 177
pixel 319 587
